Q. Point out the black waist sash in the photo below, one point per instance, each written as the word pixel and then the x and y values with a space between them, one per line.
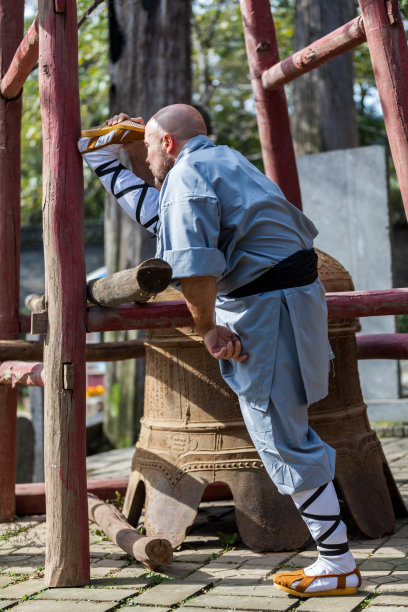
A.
pixel 295 271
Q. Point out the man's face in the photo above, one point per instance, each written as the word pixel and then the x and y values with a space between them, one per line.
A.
pixel 160 162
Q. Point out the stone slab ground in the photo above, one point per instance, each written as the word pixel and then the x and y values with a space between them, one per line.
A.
pixel 207 574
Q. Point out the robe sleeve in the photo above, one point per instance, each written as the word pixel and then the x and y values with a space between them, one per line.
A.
pixel 136 198
pixel 189 234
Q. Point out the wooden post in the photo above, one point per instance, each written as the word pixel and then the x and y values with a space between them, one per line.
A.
pixel 67 540
pixel 23 62
pixel 271 108
pixel 389 55
pixel 11 32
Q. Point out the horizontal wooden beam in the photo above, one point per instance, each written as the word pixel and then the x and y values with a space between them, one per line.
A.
pixel 319 52
pixel 156 315
pixel 382 346
pixel 24 60
pixel 14 373
pixel 25 350
pixel 377 303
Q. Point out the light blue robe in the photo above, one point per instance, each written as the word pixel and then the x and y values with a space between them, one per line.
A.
pixel 220 216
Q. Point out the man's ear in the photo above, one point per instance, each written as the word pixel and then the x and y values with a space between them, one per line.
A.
pixel 169 143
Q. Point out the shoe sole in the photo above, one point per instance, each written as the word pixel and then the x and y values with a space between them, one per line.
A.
pixel 104 129
pixel 349 591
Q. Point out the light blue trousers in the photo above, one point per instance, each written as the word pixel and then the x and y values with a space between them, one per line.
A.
pixel 294 456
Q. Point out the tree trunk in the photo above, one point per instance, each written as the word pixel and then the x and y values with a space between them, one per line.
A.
pixel 149 68
pixel 324 115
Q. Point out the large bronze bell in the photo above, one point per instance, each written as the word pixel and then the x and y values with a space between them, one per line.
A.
pixel 192 434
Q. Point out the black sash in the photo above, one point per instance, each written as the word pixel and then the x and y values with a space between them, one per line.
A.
pixel 295 271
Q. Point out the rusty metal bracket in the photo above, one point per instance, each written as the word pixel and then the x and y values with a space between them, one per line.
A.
pixel 393 12
pixel 68 376
pixel 39 322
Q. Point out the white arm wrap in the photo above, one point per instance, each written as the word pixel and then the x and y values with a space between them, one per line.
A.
pixel 137 198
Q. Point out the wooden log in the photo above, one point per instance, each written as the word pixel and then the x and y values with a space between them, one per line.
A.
pixel 22 64
pixel 151 552
pixel 25 350
pixel 11 32
pixel 134 285
pixel 67 536
pixel 272 115
pixel 376 303
pixel 319 52
pixel 13 373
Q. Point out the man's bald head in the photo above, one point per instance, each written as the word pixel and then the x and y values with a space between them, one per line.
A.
pixel 180 120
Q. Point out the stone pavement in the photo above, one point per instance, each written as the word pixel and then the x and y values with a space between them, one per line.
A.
pixel 211 571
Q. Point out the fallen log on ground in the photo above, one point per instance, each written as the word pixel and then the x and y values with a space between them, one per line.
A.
pixel 151 552
pixel 135 285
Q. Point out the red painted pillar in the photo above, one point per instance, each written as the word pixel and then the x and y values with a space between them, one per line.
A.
pixel 271 107
pixel 389 56
pixel 67 541
pixel 11 33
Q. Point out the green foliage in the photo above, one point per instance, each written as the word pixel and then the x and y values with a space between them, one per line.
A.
pixel 226 540
pixel 93 85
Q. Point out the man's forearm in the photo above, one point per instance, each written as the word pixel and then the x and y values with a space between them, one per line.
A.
pixel 200 293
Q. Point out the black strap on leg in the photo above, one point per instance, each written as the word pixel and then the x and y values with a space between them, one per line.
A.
pixel 330 550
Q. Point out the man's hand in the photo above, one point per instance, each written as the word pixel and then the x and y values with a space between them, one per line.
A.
pixel 123 117
pixel 222 343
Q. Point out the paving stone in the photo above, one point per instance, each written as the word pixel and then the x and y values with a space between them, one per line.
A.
pixel 241 603
pixel 400 583
pixel 255 590
pixel 378 564
pixel 111 564
pixel 35 605
pixel 392 551
pixel 4 580
pixel 335 604
pixel 145 609
pixel 121 582
pixel 4 603
pixel 87 594
pixel 179 570
pixel 19 589
pixel 391 599
pixel 173 592
pixel 386 608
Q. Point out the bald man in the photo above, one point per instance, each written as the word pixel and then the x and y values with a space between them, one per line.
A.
pixel 244 258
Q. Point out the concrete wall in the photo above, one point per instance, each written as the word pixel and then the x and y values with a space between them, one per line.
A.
pixel 345 193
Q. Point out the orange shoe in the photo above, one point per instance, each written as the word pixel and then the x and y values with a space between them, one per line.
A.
pixel 284 581
pixel 120 133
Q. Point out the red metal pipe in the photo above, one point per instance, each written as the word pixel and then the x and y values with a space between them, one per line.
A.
pixel 319 52
pixel 24 60
pixel 11 32
pixel 13 373
pixel 271 107
pixel 389 56
pixel 382 346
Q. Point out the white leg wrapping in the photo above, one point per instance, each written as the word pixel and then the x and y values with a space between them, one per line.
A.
pixel 320 510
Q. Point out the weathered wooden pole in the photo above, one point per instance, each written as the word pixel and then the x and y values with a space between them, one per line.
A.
pixel 23 62
pixel 316 54
pixel 67 540
pixel 389 56
pixel 11 32
pixel 271 108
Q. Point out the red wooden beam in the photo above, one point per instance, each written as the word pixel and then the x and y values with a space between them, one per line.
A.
pixel 67 537
pixel 11 32
pixel 23 62
pixel 13 373
pixel 389 56
pixel 382 346
pixel 143 316
pixel 271 107
pixel 319 52
pixel 367 303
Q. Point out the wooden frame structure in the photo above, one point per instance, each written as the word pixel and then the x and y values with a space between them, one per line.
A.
pixel 53 39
